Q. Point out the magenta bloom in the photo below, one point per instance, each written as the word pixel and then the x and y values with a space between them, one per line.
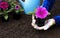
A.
pixel 4 5
pixel 41 12
pixel 0 0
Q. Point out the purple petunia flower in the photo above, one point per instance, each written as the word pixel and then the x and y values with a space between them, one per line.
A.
pixel 41 12
pixel 17 7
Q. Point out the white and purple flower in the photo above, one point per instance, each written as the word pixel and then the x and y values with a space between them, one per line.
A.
pixel 17 7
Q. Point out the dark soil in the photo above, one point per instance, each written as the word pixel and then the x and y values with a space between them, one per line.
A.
pixel 22 28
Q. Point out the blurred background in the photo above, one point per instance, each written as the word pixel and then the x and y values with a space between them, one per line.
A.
pixel 22 28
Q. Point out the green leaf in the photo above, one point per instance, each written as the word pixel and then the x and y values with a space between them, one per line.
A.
pixel 17 11
pixel 10 10
pixel 6 17
pixel 1 13
pixel 21 9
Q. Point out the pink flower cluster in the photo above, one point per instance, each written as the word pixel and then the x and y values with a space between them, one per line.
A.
pixel 4 5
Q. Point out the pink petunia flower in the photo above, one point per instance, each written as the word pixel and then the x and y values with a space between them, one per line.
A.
pixel 4 5
pixel 17 7
pixel 41 12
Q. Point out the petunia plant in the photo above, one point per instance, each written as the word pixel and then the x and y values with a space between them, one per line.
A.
pixel 8 6
pixel 3 9
pixel 40 16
